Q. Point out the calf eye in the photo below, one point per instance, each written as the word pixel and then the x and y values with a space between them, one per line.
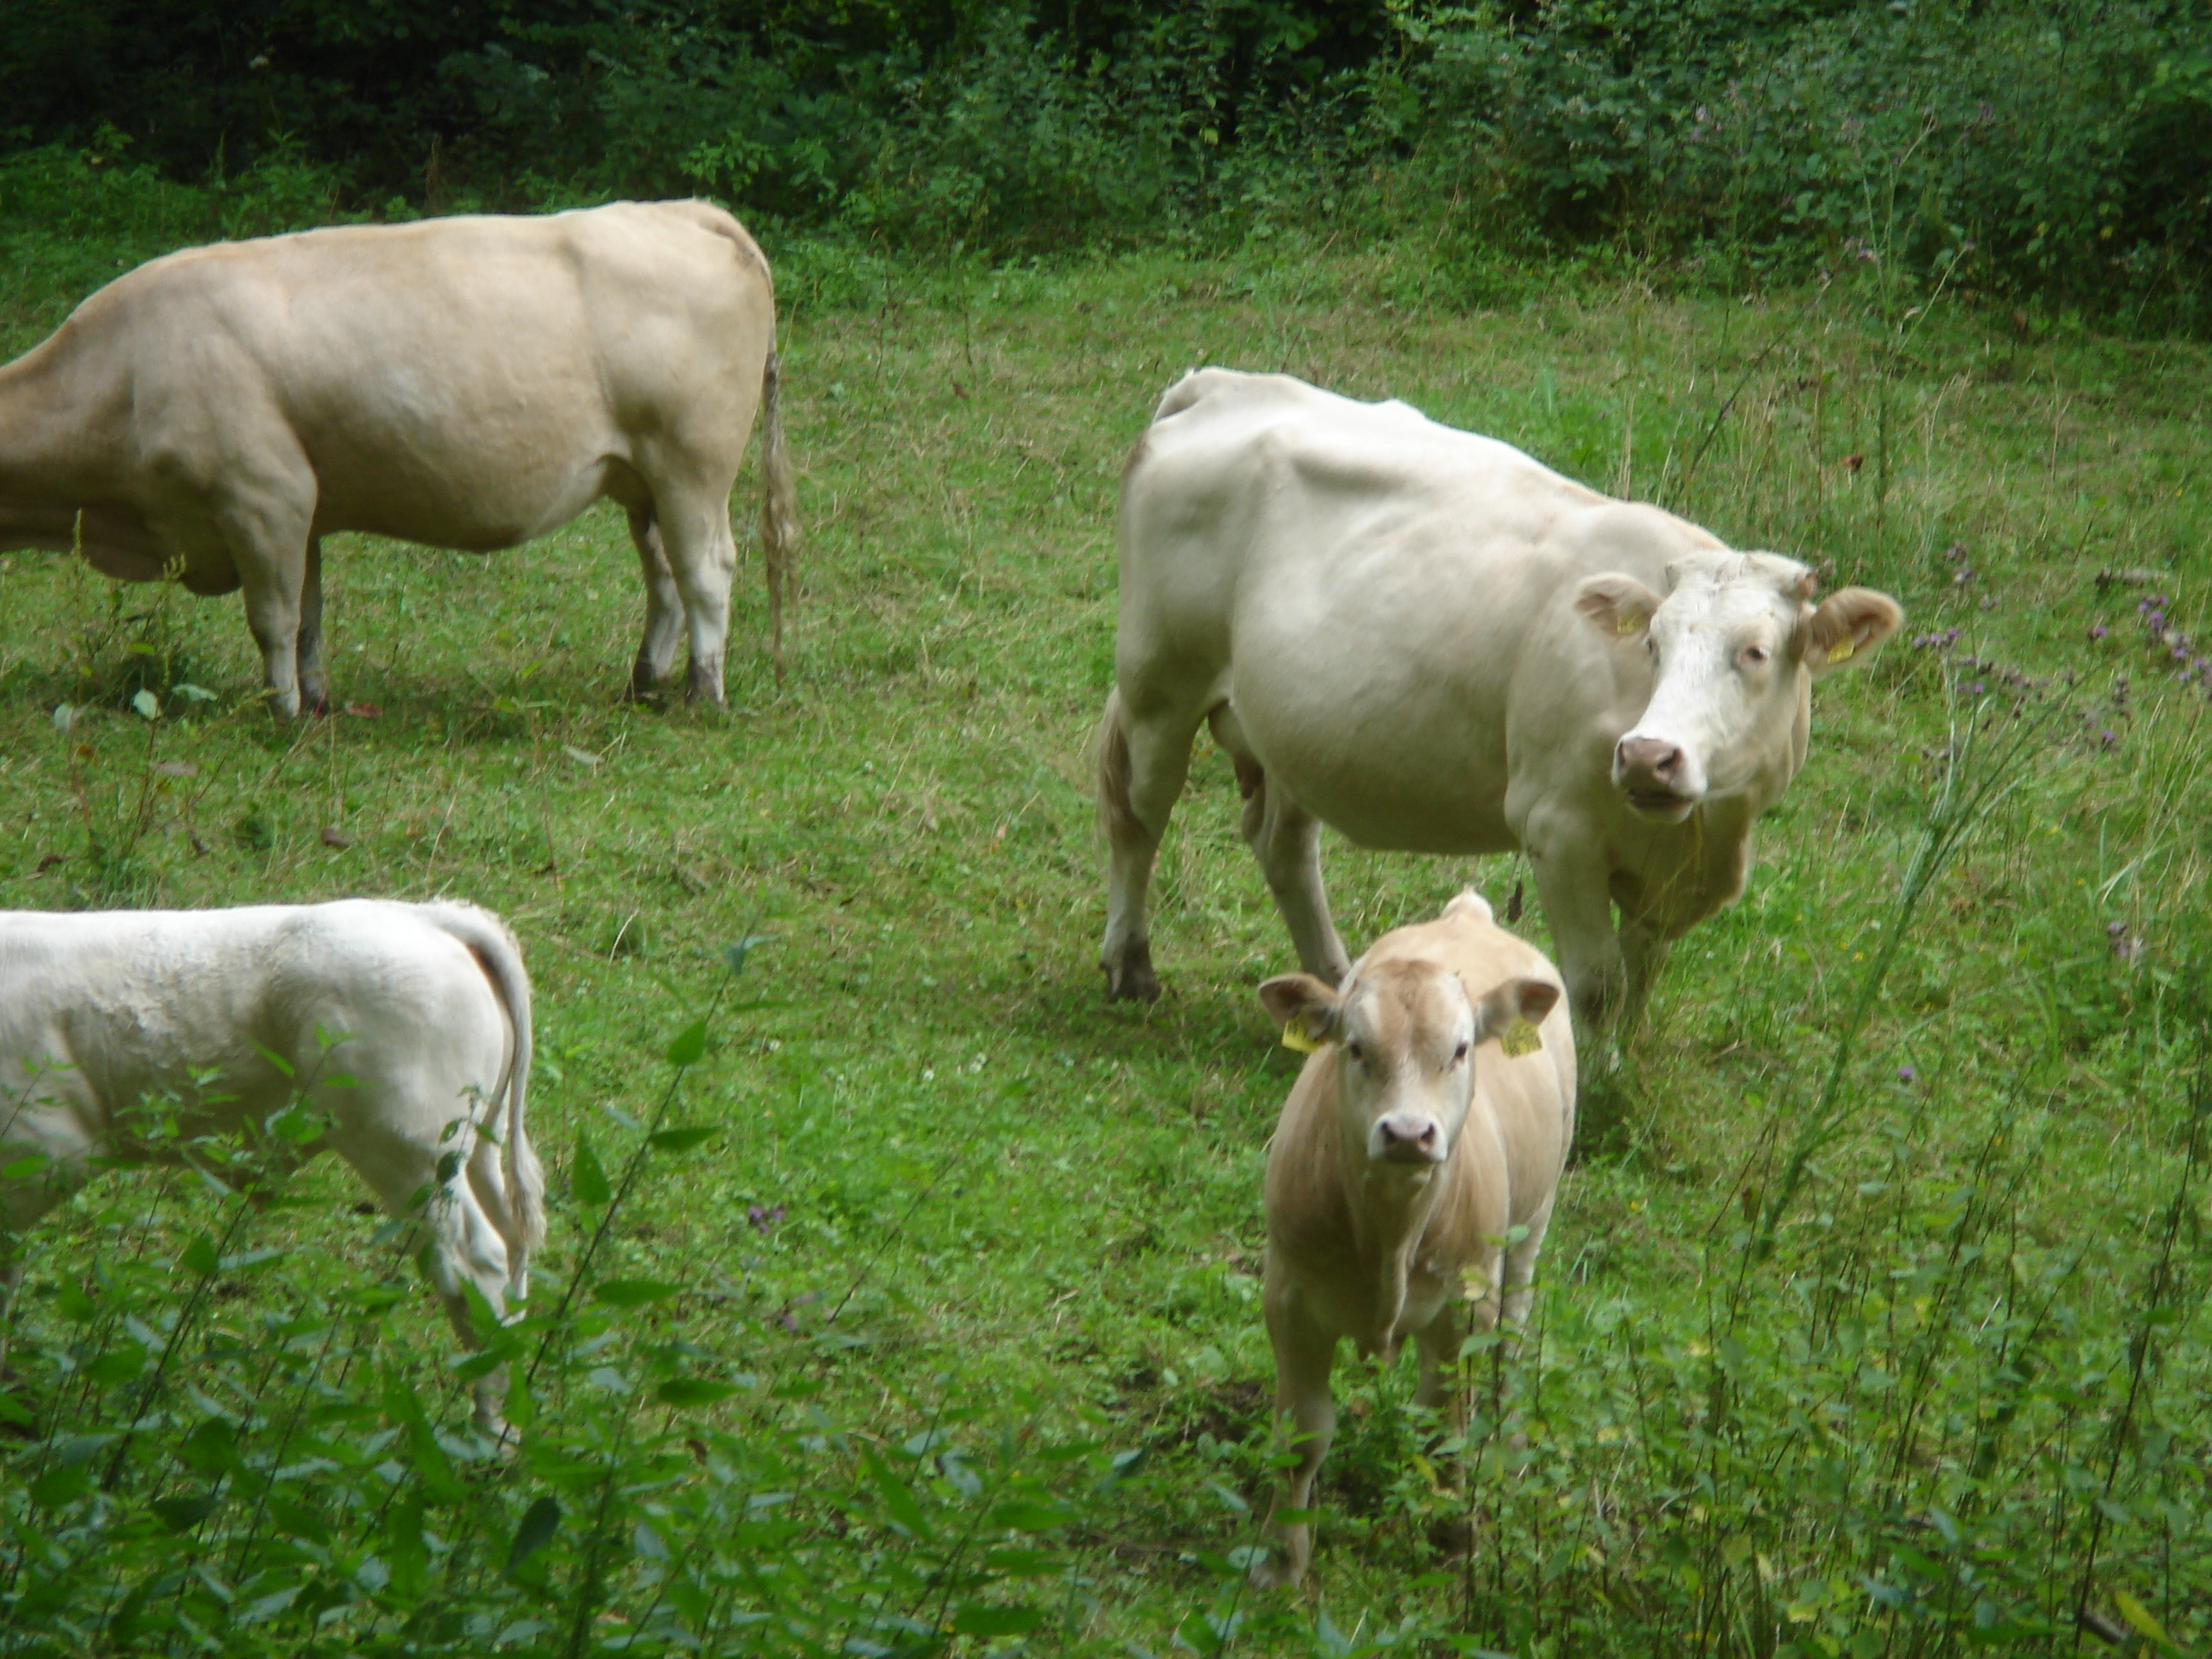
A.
pixel 1459 1053
pixel 1359 1054
pixel 1755 654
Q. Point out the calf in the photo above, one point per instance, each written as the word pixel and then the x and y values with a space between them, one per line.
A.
pixel 393 1022
pixel 1413 1169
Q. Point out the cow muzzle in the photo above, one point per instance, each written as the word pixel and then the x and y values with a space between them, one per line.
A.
pixel 1407 1138
pixel 1657 778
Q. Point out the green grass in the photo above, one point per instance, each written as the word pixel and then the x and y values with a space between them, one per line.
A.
pixel 1961 1392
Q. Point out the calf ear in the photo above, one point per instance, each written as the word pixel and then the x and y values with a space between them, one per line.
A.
pixel 1850 622
pixel 1305 1008
pixel 1615 604
pixel 1517 1001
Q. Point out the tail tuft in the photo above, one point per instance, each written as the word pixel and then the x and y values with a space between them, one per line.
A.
pixel 1118 822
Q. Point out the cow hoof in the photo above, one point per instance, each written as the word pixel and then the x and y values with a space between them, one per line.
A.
pixel 1132 979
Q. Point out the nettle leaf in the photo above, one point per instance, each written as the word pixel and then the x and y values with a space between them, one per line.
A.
pixel 898 1496
pixel 684 1391
pixel 736 952
pixel 690 1044
pixel 586 1179
pixel 980 1618
pixel 199 1256
pixel 183 1514
pixel 682 1141
pixel 535 1530
pixel 636 1292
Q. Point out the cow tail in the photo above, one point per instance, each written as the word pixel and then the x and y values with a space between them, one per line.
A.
pixel 1118 822
pixel 779 519
pixel 488 940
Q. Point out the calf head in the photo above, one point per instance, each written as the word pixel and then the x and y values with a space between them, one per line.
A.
pixel 1407 1033
pixel 1733 644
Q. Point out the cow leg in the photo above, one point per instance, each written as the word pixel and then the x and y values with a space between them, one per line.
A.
pixel 1285 839
pixel 664 605
pixel 1642 954
pixel 1305 1413
pixel 267 523
pixel 314 682
pixel 1572 881
pixel 694 531
pixel 1141 767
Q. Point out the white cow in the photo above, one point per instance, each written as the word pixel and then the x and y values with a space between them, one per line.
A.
pixel 1430 1122
pixel 406 1027
pixel 467 383
pixel 1430 641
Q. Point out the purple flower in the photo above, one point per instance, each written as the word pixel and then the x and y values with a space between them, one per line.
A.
pixel 1907 1074
pixel 762 1219
pixel 2096 630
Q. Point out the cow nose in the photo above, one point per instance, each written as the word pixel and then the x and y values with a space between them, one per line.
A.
pixel 1653 758
pixel 1404 1135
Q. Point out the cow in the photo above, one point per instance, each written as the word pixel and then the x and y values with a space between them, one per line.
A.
pixel 1434 644
pixel 467 383
pixel 398 1034
pixel 1413 1172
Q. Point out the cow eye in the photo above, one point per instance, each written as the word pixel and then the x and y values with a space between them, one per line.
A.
pixel 1756 654
pixel 1359 1054
pixel 1460 1053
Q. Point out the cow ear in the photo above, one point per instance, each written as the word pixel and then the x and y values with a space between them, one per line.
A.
pixel 1305 1008
pixel 1615 604
pixel 1511 1012
pixel 1850 622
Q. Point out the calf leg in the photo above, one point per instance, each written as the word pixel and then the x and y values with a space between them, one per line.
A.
pixel 664 605
pixel 1305 1414
pixel 465 1246
pixel 1142 764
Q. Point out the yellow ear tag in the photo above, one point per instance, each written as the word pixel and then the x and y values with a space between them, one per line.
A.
pixel 1519 1038
pixel 1627 625
pixel 1295 1038
pixel 1843 649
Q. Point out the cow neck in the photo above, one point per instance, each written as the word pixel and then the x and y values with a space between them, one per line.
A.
pixel 1389 1206
pixel 49 408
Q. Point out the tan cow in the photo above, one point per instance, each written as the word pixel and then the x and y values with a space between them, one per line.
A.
pixel 406 1027
pixel 1411 1178
pixel 467 383
pixel 1434 644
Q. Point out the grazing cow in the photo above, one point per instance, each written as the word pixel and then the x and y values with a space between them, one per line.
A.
pixel 1409 1153
pixel 1428 641
pixel 404 1027
pixel 466 383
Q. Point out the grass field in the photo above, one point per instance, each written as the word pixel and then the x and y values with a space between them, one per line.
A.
pixel 1872 1321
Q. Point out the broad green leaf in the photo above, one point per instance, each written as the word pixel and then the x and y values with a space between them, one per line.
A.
pixel 898 1496
pixel 694 1391
pixel 146 704
pixel 199 1256
pixel 736 952
pixel 2139 1618
pixel 183 1514
pixel 982 1618
pixel 636 1292
pixel 535 1530
pixel 58 1486
pixel 682 1141
pixel 690 1043
pixel 586 1179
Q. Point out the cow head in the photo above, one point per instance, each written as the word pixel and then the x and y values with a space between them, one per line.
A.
pixel 1732 645
pixel 1408 1034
